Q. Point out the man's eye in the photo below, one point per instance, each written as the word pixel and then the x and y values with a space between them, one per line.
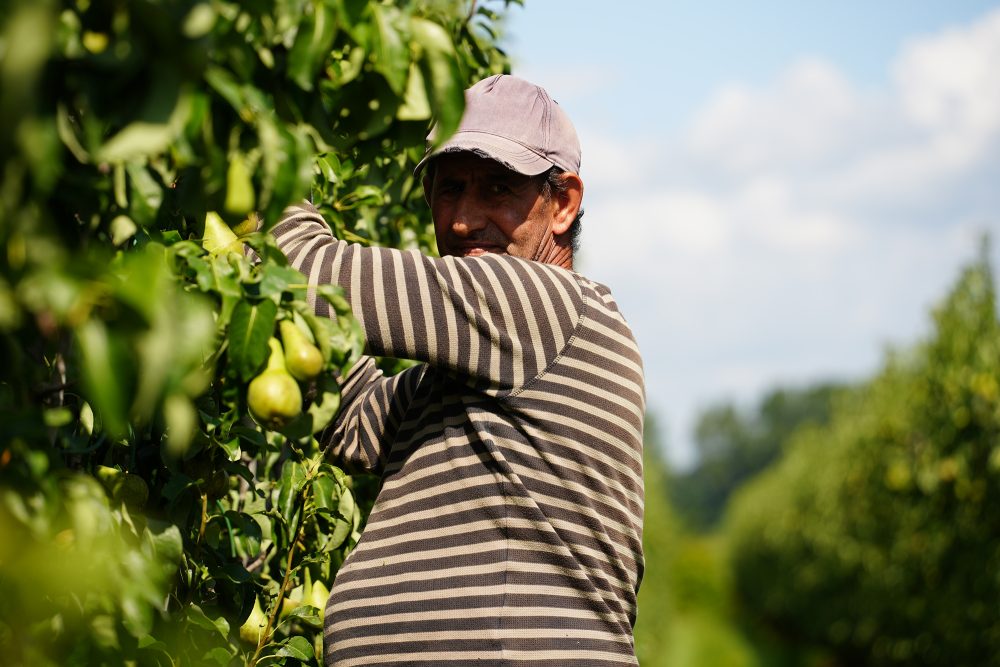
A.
pixel 499 189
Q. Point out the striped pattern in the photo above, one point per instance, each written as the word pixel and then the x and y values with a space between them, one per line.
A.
pixel 508 528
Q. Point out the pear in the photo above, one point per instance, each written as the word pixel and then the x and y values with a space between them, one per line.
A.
pixel 249 225
pixel 217 484
pixel 274 396
pixel 251 630
pixel 112 479
pixel 219 239
pixel 319 596
pixel 239 188
pixel 302 359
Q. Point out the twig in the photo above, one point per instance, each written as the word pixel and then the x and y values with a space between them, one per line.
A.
pixel 284 588
pixel 204 517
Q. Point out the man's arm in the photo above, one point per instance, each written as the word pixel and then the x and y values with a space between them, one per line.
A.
pixel 497 322
pixel 372 407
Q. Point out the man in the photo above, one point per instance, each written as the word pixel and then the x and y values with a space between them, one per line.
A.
pixel 508 527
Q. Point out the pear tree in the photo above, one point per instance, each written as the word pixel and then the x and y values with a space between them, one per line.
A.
pixel 164 496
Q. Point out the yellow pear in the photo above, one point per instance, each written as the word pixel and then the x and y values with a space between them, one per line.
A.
pixel 249 225
pixel 219 238
pixel 302 359
pixel 274 396
pixel 319 596
pixel 252 629
pixel 239 187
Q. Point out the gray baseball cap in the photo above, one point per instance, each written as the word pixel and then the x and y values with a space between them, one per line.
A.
pixel 515 123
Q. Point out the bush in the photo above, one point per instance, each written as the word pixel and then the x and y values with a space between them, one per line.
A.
pixel 146 515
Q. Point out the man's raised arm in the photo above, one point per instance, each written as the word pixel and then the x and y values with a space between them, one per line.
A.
pixel 496 322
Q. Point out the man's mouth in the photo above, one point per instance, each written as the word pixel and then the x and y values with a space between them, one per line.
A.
pixel 476 250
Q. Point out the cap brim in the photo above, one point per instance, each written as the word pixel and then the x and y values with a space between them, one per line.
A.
pixel 509 153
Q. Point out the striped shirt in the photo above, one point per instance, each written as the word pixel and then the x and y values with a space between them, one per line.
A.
pixel 508 527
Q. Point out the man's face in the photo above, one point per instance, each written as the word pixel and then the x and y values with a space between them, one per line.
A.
pixel 479 206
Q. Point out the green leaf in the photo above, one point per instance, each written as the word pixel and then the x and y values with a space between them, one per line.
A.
pixel 319 414
pixel 226 281
pixel 219 656
pixel 297 647
pixel 442 76
pixel 137 615
pixel 293 480
pixel 67 134
pixel 167 544
pixel 227 86
pixel 389 46
pixel 329 167
pixel 305 613
pixel 250 327
pixel 122 229
pixel 326 491
pixel 160 122
pixel 245 532
pixel 336 504
pixel 175 486
pixel 249 435
pixel 274 280
pixel 104 369
pixel 363 195
pixel 194 614
pixel 146 194
pixel 312 44
pixel 234 572
pixel 415 105
pixel 231 448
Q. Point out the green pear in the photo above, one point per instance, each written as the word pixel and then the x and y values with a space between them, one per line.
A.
pixel 252 629
pixel 239 187
pixel 319 596
pixel 219 239
pixel 302 359
pixel 274 396
pixel 112 479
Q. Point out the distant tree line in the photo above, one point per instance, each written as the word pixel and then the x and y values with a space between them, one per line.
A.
pixel 877 534
pixel 734 444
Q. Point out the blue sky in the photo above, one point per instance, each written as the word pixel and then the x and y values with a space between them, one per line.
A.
pixel 776 191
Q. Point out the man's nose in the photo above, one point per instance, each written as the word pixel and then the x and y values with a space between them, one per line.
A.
pixel 470 216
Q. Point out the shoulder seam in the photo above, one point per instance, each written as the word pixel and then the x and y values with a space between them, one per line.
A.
pixel 584 305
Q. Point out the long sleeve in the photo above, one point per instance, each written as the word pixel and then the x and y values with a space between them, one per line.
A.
pixel 496 322
pixel 372 407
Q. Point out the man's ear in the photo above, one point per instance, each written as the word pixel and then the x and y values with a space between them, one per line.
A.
pixel 567 202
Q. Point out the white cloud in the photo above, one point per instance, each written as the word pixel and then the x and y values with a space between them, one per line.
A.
pixel 801 226
pixel 802 118
pixel 951 82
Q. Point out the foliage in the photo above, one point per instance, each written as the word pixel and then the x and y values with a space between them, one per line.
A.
pixel 734 445
pixel 658 542
pixel 145 515
pixel 878 535
pixel 686 612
